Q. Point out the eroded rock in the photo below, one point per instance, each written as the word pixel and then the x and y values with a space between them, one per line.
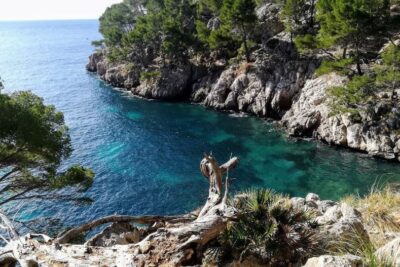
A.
pixel 334 261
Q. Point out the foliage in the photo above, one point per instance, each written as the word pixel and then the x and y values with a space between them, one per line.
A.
pixel 357 244
pixel 239 14
pixel 353 26
pixel 339 66
pixel 298 16
pixel 349 97
pixel 115 22
pixel 98 43
pixel 1 84
pixel 380 208
pixel 149 75
pixel 269 226
pixel 360 89
pixel 33 142
pixel 388 74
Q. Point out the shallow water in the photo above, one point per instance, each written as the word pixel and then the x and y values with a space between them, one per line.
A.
pixel 146 153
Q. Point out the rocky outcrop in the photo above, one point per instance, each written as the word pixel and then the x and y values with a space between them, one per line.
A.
pixel 167 83
pixel 264 88
pixel 376 132
pixel 335 261
pixel 337 221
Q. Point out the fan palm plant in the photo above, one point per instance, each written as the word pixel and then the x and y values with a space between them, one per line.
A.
pixel 270 228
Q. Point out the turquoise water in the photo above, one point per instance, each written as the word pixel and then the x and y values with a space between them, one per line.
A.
pixel 146 153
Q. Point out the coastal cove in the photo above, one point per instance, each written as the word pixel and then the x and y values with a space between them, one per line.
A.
pixel 145 153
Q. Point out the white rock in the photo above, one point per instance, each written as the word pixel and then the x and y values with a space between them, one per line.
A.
pixel 334 261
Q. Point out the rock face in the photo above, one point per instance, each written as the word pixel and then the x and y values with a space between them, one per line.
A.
pixel 167 83
pixel 334 261
pixel 376 132
pixel 264 88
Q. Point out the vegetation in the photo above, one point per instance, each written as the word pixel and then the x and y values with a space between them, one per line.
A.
pixel 271 228
pixel 33 142
pixel 172 30
pixel 380 213
pixel 380 210
pixel 299 16
pixel 359 90
pixel 353 27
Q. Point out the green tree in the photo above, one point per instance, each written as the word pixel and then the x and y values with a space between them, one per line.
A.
pixel 240 15
pixel 115 22
pixel 298 16
pixel 351 25
pixel 33 142
pixel 388 75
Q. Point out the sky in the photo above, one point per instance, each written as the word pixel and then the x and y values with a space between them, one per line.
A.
pixel 53 9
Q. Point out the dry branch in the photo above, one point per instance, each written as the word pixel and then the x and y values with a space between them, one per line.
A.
pixel 73 233
pixel 174 241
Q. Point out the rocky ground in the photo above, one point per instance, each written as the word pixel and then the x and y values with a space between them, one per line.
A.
pixel 323 233
pixel 122 244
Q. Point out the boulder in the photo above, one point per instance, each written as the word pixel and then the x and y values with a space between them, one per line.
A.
pixel 340 222
pixel 390 253
pixel 334 261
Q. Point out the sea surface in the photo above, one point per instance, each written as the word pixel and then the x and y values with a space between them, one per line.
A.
pixel 146 154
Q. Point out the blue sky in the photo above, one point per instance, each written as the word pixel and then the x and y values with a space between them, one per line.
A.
pixel 52 9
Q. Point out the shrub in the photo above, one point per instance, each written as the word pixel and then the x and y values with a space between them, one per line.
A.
pixel 380 210
pixel 149 75
pixel 270 228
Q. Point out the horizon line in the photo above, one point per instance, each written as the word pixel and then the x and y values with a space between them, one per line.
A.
pixel 51 19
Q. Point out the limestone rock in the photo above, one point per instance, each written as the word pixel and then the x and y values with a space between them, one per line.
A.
pixel 169 82
pixel 334 261
pixel 93 60
pixel 116 234
pixel 312 197
pixel 390 253
pixel 340 222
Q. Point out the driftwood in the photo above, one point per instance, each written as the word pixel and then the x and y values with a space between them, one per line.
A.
pixel 173 240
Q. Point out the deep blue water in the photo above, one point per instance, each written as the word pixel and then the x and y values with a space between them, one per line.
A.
pixel 146 153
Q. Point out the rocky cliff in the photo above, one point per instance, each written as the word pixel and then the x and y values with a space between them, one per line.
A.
pixel 279 83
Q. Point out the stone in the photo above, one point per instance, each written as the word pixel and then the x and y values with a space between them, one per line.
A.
pixel 312 197
pixel 334 261
pixel 116 234
pixel 340 222
pixel 390 253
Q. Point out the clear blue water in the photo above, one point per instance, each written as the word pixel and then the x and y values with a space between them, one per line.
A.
pixel 146 153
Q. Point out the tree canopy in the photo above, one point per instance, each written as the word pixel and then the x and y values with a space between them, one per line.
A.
pixel 33 142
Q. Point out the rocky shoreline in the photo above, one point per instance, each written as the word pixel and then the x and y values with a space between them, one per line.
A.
pixel 280 84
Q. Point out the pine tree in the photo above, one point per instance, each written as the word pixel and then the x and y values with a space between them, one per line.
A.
pixel 388 75
pixel 240 14
pixel 298 16
pixel 350 24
